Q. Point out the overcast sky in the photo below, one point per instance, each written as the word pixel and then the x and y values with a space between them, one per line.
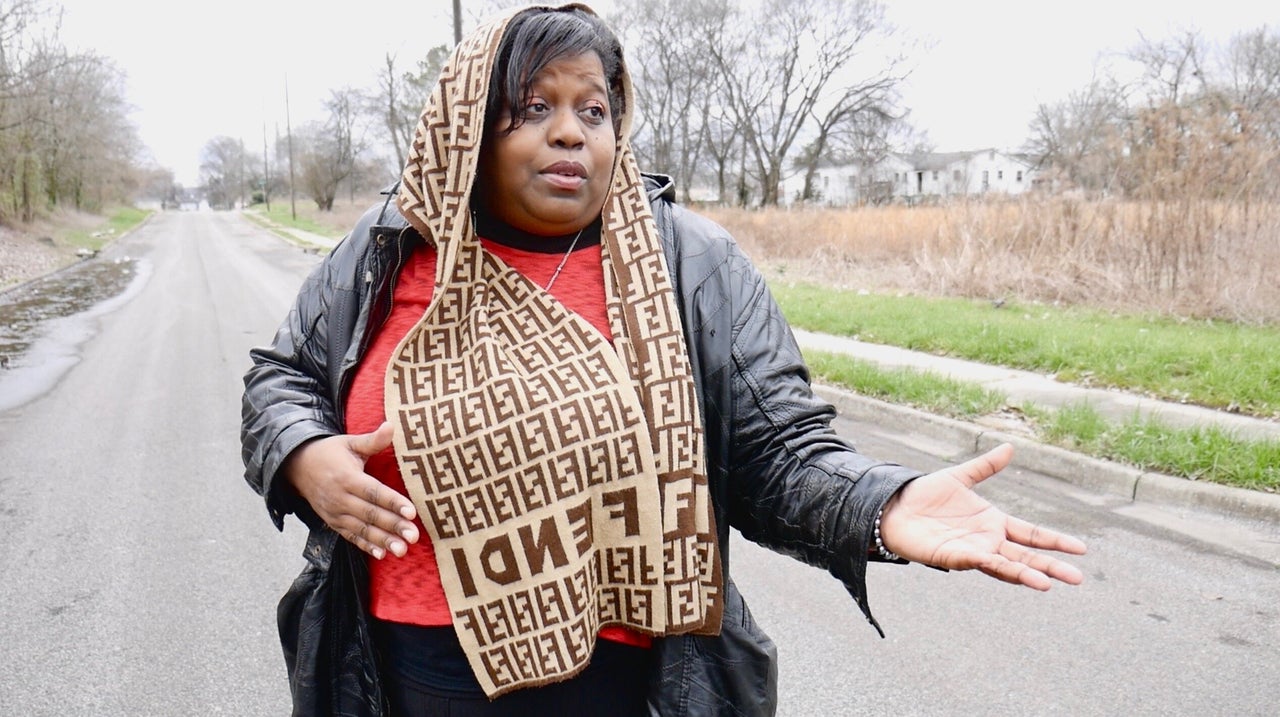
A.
pixel 202 68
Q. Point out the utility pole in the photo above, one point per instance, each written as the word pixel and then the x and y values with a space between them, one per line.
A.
pixel 288 129
pixel 457 21
pixel 266 171
pixel 242 174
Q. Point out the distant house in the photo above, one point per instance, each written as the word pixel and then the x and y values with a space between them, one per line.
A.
pixel 845 184
pixel 912 178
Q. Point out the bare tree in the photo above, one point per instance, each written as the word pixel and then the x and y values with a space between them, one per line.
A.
pixel 863 138
pixel 723 145
pixel 400 97
pixel 1253 80
pixel 676 82
pixel 1079 137
pixel 860 122
pixel 788 73
pixel 329 150
pixel 91 148
pixel 65 135
pixel 387 104
pixel 1198 161
pixel 1172 69
pixel 22 62
pixel 222 162
pixel 854 123
pixel 16 19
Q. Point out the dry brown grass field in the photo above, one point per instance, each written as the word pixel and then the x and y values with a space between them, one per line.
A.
pixel 1193 258
pixel 1197 258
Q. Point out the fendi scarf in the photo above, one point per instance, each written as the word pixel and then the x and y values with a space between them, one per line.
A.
pixel 560 478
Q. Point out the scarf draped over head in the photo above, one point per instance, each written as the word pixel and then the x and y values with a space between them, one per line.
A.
pixel 560 478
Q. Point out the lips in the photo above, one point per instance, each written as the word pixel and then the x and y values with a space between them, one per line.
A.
pixel 565 176
pixel 567 169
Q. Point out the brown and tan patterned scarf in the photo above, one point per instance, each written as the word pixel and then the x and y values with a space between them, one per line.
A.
pixel 560 478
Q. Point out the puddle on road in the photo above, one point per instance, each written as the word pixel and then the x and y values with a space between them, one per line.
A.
pixel 44 323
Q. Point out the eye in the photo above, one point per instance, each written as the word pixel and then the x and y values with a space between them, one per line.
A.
pixel 536 108
pixel 596 113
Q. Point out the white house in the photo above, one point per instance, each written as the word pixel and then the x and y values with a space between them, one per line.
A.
pixel 949 174
pixel 844 184
pixel 917 177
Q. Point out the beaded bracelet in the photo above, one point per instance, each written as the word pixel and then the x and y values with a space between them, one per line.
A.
pixel 884 552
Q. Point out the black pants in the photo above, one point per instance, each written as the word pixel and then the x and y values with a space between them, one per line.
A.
pixel 615 684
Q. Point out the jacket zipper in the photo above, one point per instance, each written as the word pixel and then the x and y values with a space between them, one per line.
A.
pixel 370 294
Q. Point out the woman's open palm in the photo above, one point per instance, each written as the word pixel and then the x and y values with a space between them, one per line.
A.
pixel 939 520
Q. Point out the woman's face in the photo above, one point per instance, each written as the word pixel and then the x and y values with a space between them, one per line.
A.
pixel 550 175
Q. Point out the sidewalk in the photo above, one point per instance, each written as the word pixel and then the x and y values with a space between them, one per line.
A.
pixel 1025 386
pixel 307 240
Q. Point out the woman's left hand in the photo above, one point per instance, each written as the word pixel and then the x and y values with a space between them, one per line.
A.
pixel 938 520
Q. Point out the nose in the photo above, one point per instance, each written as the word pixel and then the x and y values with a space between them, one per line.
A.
pixel 566 129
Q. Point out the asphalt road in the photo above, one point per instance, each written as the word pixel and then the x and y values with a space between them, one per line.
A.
pixel 140 573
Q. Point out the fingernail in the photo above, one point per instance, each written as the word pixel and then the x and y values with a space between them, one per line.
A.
pixel 378 553
pixel 407 511
pixel 408 534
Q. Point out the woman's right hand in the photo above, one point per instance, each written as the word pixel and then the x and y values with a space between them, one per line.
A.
pixel 329 474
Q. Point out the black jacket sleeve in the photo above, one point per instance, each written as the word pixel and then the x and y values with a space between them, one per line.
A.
pixel 288 397
pixel 293 389
pixel 790 483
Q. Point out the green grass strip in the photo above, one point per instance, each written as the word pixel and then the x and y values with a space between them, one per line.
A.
pixel 121 219
pixel 1209 454
pixel 1211 363
pixel 923 390
pixel 1206 453
pixel 281 214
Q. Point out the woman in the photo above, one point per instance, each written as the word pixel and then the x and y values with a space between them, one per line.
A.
pixel 574 388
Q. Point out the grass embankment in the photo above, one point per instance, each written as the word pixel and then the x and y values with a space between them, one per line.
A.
pixel 116 222
pixel 307 217
pixel 1225 366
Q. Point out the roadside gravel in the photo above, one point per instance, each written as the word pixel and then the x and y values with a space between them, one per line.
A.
pixel 24 257
pixel 33 250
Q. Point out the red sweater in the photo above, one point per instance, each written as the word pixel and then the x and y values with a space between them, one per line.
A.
pixel 408 589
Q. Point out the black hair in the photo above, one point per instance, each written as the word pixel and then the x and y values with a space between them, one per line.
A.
pixel 534 39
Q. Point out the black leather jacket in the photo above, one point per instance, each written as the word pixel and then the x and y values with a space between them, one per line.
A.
pixel 777 471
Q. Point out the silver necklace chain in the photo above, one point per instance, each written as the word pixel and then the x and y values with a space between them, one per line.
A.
pixel 564 261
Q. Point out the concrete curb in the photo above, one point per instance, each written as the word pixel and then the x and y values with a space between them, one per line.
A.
pixel 1074 468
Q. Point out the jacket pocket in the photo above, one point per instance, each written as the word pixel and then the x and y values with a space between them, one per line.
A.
pixel 300 617
pixel 324 634
pixel 733 674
